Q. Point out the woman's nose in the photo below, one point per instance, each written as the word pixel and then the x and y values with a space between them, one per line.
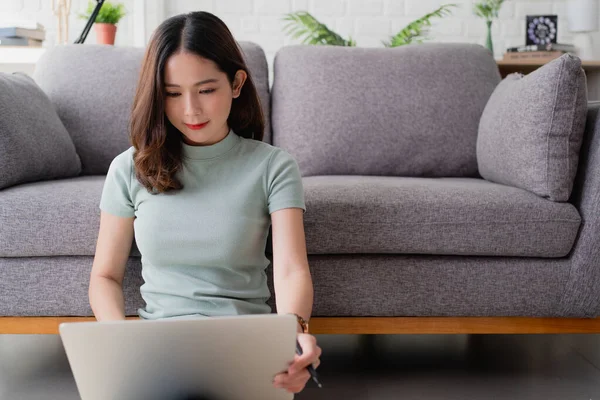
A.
pixel 192 106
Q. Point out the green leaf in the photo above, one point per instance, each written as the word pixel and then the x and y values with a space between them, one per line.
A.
pixel 110 13
pixel 302 25
pixel 487 9
pixel 413 32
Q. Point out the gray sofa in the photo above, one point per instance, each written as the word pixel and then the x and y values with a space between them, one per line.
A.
pixel 399 221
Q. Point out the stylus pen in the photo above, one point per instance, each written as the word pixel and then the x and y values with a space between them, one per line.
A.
pixel 310 368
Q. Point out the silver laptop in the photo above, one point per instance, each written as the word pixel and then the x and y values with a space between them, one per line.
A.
pixel 220 358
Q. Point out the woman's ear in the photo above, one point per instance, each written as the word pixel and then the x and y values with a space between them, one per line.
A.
pixel 238 82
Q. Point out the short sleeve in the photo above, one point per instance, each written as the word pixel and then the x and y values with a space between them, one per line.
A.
pixel 285 188
pixel 116 194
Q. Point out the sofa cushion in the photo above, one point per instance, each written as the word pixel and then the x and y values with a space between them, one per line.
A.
pixel 345 214
pixel 51 218
pixel 406 111
pixel 532 127
pixel 256 61
pixel 34 144
pixel 93 87
pixel 450 216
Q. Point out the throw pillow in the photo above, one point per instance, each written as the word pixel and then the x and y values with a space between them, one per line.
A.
pixel 531 129
pixel 34 144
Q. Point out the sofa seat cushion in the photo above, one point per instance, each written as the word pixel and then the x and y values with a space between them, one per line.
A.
pixel 51 218
pixel 345 215
pixel 449 216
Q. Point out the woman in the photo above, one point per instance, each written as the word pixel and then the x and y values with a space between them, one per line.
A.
pixel 201 190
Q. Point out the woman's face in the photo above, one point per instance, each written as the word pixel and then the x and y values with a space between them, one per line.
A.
pixel 198 97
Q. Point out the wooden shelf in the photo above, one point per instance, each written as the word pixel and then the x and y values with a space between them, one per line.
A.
pixel 20 55
pixel 586 64
pixel 590 67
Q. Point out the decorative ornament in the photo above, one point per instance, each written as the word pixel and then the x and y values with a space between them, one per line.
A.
pixel 541 29
pixel 62 9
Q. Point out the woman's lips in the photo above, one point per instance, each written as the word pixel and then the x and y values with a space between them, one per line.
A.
pixel 196 127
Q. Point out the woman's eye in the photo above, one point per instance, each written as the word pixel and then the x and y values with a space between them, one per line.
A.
pixel 206 91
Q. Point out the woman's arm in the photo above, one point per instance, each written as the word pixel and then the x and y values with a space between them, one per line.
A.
pixel 293 291
pixel 106 280
pixel 291 274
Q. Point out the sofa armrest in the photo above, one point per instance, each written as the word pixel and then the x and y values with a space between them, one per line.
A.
pixel 582 292
pixel 586 190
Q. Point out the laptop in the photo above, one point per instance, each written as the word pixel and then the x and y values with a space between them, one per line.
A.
pixel 218 358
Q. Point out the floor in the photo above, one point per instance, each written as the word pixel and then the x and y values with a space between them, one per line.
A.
pixel 423 367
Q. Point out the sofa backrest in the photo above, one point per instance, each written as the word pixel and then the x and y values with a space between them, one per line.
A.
pixel 407 111
pixel 92 88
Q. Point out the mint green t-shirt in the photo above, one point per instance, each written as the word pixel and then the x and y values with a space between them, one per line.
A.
pixel 203 247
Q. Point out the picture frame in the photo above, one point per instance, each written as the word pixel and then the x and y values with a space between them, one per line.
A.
pixel 541 29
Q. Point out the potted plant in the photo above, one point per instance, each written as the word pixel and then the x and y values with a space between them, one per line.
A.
pixel 416 31
pixel 302 24
pixel 106 20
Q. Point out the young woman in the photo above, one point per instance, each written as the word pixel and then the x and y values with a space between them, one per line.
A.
pixel 199 189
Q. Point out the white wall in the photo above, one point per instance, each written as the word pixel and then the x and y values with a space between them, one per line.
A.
pixel 371 21
pixel 367 21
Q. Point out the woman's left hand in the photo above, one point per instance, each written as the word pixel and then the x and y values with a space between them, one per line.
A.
pixel 295 378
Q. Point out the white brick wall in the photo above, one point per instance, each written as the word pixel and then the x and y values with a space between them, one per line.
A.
pixel 367 21
pixel 371 21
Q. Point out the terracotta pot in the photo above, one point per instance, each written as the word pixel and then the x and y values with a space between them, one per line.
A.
pixel 105 33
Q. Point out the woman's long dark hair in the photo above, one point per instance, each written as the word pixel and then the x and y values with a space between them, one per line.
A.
pixel 156 141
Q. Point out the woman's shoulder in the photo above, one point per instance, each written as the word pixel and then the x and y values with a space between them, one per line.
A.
pixel 125 156
pixel 266 150
pixel 123 161
pixel 277 162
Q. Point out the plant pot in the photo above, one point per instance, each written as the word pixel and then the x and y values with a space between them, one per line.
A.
pixel 105 33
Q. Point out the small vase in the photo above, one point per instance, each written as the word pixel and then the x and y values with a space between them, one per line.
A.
pixel 105 33
pixel 488 40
